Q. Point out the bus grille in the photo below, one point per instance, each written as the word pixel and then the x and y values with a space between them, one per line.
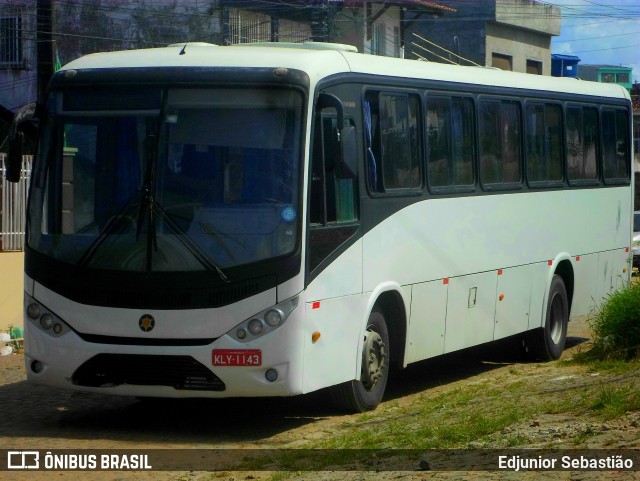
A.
pixel 178 372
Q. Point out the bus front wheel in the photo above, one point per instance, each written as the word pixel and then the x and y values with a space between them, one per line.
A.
pixel 547 342
pixel 365 394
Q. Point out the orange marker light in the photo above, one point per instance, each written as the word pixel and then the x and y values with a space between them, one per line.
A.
pixel 315 336
pixel 501 296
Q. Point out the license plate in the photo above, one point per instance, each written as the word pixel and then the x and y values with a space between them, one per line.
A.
pixel 237 357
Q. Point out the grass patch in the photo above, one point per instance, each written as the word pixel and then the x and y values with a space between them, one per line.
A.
pixel 448 420
pixel 616 327
pixel 612 402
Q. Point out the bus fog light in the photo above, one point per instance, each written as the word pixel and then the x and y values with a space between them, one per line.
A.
pixel 37 367
pixel 241 333
pixel 271 375
pixel 255 327
pixel 46 321
pixel 57 328
pixel 34 311
pixel 273 317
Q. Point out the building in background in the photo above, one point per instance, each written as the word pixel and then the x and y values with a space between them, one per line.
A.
pixel 80 27
pixel 606 74
pixel 379 27
pixel 508 34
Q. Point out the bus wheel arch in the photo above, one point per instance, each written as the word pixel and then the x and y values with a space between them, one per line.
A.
pixel 392 306
pixel 383 348
pixel 565 271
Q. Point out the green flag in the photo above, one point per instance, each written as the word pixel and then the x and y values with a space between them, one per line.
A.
pixel 58 65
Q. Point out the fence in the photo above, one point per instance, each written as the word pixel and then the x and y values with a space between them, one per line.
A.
pixel 13 206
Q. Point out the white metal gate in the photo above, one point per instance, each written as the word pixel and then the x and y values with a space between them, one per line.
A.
pixel 13 206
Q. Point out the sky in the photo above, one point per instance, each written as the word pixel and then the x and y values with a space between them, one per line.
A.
pixel 600 32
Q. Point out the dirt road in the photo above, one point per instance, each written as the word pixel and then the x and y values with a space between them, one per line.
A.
pixel 35 417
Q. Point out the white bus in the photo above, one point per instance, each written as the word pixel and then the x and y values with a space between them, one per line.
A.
pixel 271 220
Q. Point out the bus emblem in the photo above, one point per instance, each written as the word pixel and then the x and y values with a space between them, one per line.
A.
pixel 147 323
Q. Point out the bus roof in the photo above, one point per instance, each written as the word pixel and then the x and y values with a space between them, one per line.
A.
pixel 323 60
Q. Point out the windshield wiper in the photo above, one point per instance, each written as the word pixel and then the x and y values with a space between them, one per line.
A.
pixel 184 239
pixel 111 227
pixel 149 207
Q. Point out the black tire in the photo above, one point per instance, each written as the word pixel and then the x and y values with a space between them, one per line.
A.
pixel 547 342
pixel 366 393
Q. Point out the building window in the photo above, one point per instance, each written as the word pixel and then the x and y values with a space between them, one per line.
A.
pixel 608 78
pixel 534 67
pixel 504 62
pixel 397 47
pixel 622 78
pixel 10 41
pixel 379 44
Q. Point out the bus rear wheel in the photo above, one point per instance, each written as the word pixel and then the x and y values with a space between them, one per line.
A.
pixel 365 394
pixel 547 342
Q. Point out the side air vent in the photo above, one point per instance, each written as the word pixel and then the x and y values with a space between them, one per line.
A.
pixel 178 372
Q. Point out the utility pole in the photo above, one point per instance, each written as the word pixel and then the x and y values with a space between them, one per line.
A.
pixel 44 51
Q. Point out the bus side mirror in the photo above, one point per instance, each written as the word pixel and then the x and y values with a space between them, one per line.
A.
pixel 347 163
pixel 13 164
pixel 348 168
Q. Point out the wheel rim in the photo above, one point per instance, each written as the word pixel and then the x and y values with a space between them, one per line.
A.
pixel 374 359
pixel 556 319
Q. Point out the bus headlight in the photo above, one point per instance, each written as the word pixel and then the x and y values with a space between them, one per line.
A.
pixel 273 317
pixel 256 327
pixel 44 319
pixel 264 322
pixel 34 311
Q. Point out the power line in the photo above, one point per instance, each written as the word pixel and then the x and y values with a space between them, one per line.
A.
pixel 595 38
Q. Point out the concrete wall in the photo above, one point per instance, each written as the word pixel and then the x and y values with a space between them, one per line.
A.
pixel 11 289
pixel 530 15
pixel 479 28
pixel 520 44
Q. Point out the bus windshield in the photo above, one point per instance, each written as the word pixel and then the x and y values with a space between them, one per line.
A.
pixel 168 179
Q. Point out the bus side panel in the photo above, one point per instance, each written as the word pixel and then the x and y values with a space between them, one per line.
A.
pixel 332 359
pixel 610 267
pixel 470 310
pixel 425 336
pixel 334 308
pixel 586 294
pixel 514 301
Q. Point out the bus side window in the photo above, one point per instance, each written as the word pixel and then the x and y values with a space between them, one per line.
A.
pixel 332 197
pixel 615 138
pixel 500 142
pixel 544 143
pixel 581 141
pixel 393 142
pixel 451 142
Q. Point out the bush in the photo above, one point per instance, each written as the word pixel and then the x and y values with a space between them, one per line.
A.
pixel 616 327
